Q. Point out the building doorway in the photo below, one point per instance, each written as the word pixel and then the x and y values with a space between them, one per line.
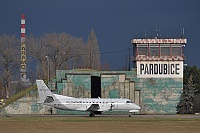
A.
pixel 96 88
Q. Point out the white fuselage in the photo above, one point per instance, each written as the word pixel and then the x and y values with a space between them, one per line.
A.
pixel 82 104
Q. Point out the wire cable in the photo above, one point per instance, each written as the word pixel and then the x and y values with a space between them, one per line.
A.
pixel 108 52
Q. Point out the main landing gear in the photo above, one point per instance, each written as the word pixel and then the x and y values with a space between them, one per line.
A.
pixel 92 114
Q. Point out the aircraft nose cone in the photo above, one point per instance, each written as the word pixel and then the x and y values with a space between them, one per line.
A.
pixel 137 107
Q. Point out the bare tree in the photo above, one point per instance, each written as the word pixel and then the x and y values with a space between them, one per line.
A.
pixel 9 60
pixel 2 91
pixel 59 49
pixel 37 52
pixel 92 55
pixel 105 67
pixel 31 76
pixel 77 53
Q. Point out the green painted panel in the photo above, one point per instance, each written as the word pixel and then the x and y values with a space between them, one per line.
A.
pixel 114 94
pixel 59 87
pixel 157 95
pixel 80 80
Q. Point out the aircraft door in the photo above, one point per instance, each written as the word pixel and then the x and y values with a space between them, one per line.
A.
pixel 127 104
pixel 96 88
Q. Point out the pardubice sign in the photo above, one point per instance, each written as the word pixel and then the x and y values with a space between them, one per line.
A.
pixel 160 69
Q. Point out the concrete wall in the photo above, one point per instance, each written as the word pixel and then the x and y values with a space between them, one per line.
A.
pixel 26 105
pixel 154 95
pixel 159 96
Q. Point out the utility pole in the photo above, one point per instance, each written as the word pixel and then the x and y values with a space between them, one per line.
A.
pixel 48 63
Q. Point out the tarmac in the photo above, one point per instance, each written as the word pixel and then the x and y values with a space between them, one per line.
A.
pixel 179 116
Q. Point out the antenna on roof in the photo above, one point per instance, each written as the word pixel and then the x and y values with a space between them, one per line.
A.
pixel 182 32
pixel 157 31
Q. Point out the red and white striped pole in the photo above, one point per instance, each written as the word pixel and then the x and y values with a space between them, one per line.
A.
pixel 23 32
pixel 23 49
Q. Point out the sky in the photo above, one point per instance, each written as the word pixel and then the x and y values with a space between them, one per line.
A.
pixel 115 22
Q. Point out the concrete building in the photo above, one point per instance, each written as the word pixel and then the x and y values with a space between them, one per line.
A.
pixel 159 66
pixel 155 83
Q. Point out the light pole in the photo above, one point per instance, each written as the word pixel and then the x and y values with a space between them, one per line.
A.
pixel 129 59
pixel 48 62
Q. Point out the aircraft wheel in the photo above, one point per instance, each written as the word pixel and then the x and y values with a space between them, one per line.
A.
pixel 129 115
pixel 92 114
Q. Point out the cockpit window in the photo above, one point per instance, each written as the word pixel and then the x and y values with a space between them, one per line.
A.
pixel 49 99
pixel 129 102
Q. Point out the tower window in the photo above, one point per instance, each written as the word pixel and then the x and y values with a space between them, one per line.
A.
pixel 176 49
pixel 142 49
pixel 165 50
pixel 154 49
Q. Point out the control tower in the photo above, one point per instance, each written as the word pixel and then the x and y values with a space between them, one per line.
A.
pixel 159 58
pixel 159 73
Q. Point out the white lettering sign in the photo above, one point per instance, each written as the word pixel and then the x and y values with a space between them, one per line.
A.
pixel 160 69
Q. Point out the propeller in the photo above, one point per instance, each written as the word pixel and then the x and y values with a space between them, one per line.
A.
pixel 111 106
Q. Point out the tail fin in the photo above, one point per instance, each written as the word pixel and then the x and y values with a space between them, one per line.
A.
pixel 43 91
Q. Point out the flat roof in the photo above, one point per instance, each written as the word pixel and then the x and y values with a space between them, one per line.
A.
pixel 142 41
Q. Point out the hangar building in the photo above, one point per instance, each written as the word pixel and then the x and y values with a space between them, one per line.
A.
pixel 155 82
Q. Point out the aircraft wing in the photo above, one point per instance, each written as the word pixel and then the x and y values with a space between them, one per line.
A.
pixel 98 107
pixel 94 107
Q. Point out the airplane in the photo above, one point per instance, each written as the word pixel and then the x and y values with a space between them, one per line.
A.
pixel 48 98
